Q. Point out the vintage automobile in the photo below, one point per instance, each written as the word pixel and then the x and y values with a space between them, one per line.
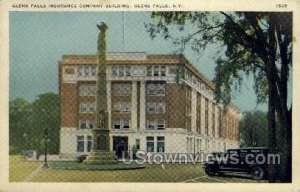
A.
pixel 251 161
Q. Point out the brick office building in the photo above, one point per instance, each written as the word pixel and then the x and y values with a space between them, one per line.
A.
pixel 158 103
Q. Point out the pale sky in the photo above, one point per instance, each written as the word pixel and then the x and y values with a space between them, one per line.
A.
pixel 39 39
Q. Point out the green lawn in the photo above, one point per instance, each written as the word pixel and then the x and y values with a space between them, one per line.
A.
pixel 20 170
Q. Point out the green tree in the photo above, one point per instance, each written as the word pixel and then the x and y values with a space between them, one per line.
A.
pixel 28 121
pixel 254 129
pixel 252 43
pixel 19 122
pixel 46 115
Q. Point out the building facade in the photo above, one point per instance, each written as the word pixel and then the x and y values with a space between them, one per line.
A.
pixel 156 103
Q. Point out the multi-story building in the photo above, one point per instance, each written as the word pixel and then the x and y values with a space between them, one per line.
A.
pixel 156 103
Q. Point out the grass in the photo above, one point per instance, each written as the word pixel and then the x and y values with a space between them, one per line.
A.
pixel 152 173
pixel 20 170
pixel 73 165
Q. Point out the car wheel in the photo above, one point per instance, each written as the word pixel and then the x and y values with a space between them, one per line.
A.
pixel 257 173
pixel 209 171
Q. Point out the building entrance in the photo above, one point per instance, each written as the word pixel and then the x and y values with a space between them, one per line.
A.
pixel 120 146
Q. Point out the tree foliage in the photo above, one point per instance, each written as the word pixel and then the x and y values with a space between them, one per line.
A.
pixel 254 129
pixel 27 122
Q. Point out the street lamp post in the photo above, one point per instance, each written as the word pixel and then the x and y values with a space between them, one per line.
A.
pixel 46 146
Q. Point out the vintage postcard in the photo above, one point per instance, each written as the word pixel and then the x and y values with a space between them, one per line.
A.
pixel 149 95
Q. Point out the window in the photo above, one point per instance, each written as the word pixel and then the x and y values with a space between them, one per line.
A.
pixel 93 71
pixel 122 107
pixel 121 71
pixel 149 70
pixel 88 107
pixel 128 71
pixel 86 71
pixel 156 124
pixel 156 88
pixel 87 90
pixel 125 107
pixel 161 144
pixel 189 144
pixel 123 89
pixel 136 70
pixel 219 121
pixel 69 71
pixel 114 70
pixel 194 80
pixel 92 124
pixel 138 144
pixel 80 143
pixel 163 71
pixel 91 108
pixel 83 107
pixel 151 107
pixel 206 116
pixel 86 124
pixel 126 89
pixel 198 109
pixel 172 70
pixel 150 144
pixel 126 124
pixel 161 88
pixel 161 124
pixel 151 89
pixel 117 124
pixel 80 71
pixel 150 125
pixel 121 124
pixel 199 143
pixel 116 107
pixel 160 108
pixel 89 143
pixel 156 71
pixel 82 125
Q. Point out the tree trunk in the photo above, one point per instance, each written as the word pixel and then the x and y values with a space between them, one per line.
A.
pixel 271 135
pixel 284 113
pixel 272 96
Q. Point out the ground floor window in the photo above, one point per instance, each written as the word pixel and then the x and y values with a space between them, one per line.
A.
pixel 189 145
pixel 198 145
pixel 150 144
pixel 89 143
pixel 160 144
pixel 80 143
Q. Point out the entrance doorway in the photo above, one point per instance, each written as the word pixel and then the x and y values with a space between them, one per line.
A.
pixel 120 146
